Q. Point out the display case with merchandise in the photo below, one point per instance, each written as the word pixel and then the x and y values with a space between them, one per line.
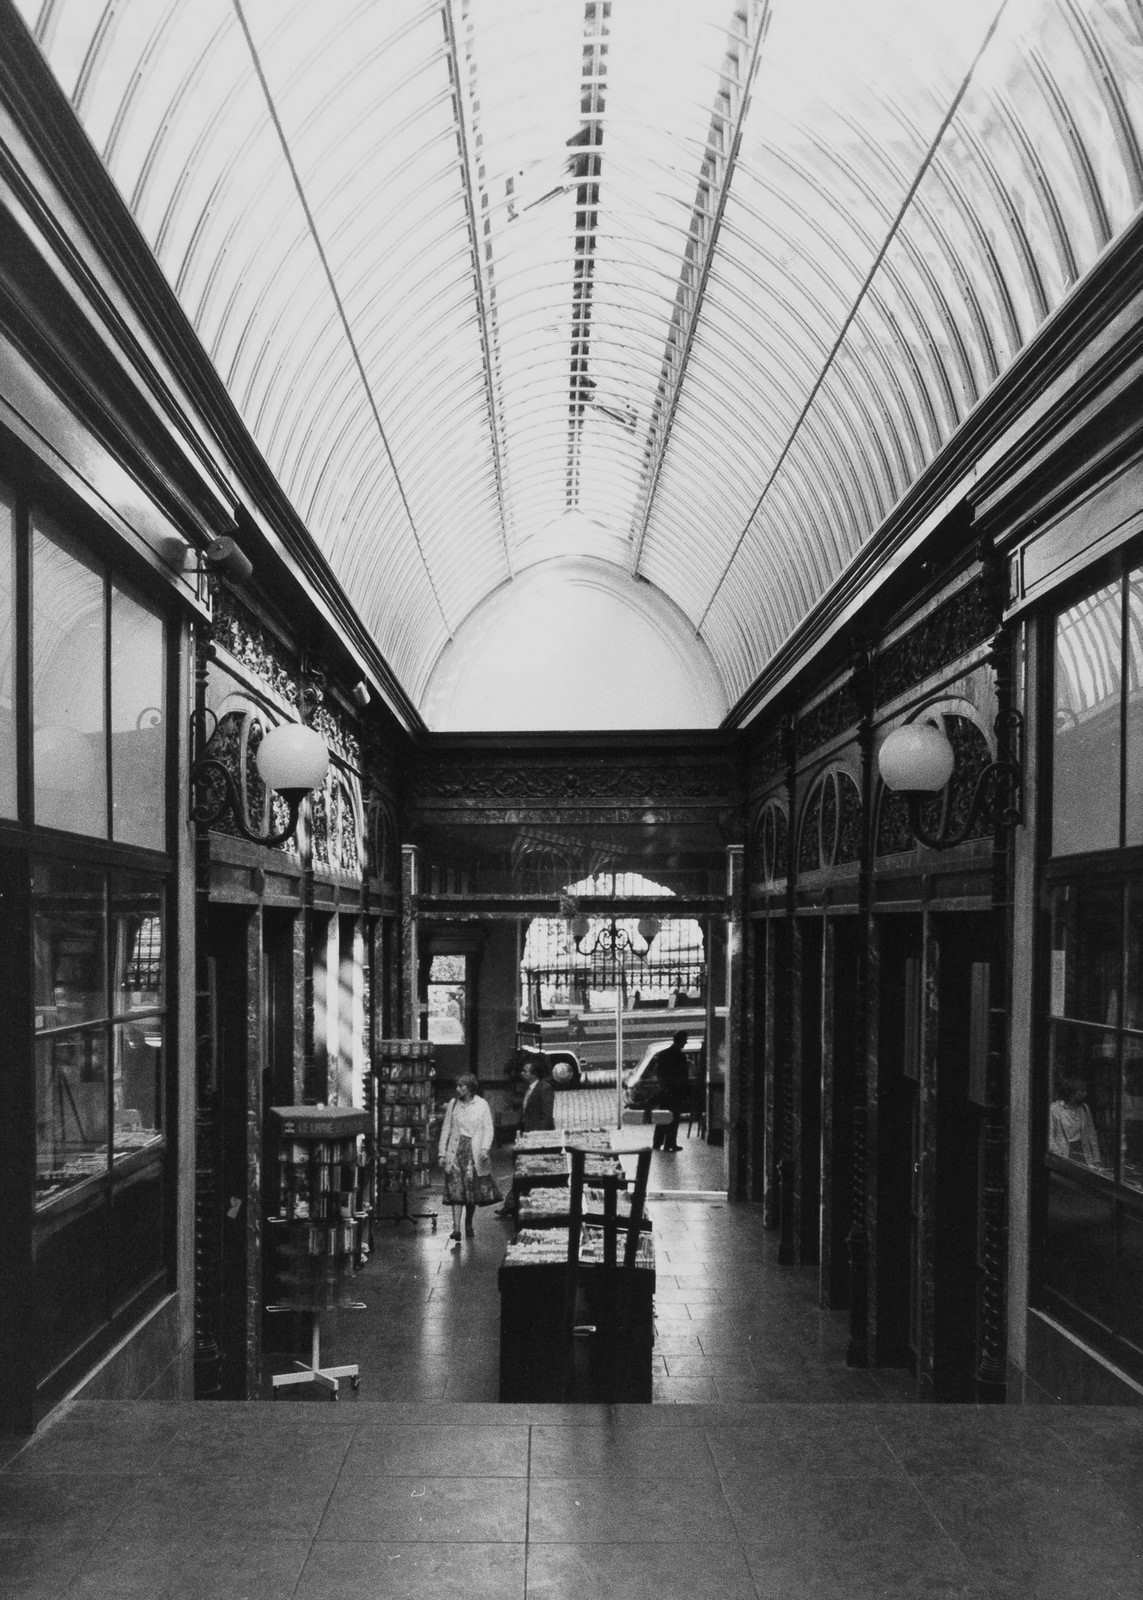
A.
pixel 577 1300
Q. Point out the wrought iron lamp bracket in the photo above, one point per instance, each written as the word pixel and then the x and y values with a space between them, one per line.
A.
pixel 1000 787
pixel 214 791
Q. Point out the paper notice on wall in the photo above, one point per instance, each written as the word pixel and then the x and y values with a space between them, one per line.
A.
pixel 1059 982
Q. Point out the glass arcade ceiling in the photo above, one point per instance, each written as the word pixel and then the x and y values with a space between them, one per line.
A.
pixel 593 341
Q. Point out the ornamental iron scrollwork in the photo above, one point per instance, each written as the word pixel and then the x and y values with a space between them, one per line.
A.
pixel 980 795
pixel 772 832
pixel 830 833
pixel 228 793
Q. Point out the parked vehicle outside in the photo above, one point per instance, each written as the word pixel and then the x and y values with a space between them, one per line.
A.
pixel 563 1065
pixel 641 1085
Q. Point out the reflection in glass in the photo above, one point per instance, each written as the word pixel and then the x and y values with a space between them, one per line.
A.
pixel 1082 1113
pixel 1132 1167
pixel 68 937
pixel 138 757
pixel 1085 813
pixel 1079 1246
pixel 7 659
pixel 137 943
pixel 1133 976
pixel 137 1062
pixel 1133 756
pixel 71 1110
pixel 68 678
pixel 1129 1277
pixel 1087 952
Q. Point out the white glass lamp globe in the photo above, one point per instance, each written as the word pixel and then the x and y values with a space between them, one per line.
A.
pixel 579 926
pixel 916 757
pixel 649 928
pixel 292 756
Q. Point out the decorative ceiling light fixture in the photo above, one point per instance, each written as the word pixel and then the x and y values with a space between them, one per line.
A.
pixel 612 941
pixel 292 759
pixel 916 761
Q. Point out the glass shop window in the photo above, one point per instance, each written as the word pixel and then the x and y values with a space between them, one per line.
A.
pixel 98 698
pixel 448 1000
pixel 7 656
pixel 1091 1265
pixel 99 1019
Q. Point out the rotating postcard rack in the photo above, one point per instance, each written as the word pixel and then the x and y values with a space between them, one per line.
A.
pixel 315 1238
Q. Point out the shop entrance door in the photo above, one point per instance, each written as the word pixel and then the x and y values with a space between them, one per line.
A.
pixel 897 1243
pixel 961 1047
pixel 228 957
pixel 837 1139
pixel 810 1094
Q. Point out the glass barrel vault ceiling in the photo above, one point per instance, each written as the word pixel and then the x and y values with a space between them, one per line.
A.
pixel 670 303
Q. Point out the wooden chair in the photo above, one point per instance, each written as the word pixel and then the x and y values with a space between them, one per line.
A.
pixel 615 1294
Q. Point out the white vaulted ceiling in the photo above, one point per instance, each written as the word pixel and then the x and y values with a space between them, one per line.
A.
pixel 635 316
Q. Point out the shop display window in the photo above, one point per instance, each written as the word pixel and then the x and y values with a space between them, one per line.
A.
pixel 7 657
pixel 85 880
pixel 98 755
pixel 1091 1257
pixel 69 671
pixel 1089 643
pixel 98 940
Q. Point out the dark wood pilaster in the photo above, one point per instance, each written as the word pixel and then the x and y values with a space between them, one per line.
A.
pixel 992 1366
pixel 863 1171
pixel 789 989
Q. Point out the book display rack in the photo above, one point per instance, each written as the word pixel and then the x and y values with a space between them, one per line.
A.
pixel 399 1104
pixel 314 1238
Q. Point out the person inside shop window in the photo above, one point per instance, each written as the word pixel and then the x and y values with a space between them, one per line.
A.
pixel 1071 1129
pixel 465 1154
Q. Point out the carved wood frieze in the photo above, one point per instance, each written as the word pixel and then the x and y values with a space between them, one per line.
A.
pixel 278 670
pixel 251 644
pixel 827 721
pixel 767 762
pixel 472 785
pixel 961 624
pixel 338 735
pixel 336 833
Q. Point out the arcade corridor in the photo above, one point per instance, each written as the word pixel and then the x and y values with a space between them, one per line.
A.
pixel 472 469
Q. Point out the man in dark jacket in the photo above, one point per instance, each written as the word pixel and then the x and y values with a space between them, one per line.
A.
pixel 537 1115
pixel 538 1112
pixel 670 1067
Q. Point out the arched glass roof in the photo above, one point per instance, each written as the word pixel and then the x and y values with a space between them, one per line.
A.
pixel 694 290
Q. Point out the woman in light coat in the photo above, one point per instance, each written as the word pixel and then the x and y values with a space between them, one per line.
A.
pixel 465 1154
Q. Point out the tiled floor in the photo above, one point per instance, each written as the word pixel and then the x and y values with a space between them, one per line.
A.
pixel 730 1324
pixel 483 1502
pixel 771 1472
